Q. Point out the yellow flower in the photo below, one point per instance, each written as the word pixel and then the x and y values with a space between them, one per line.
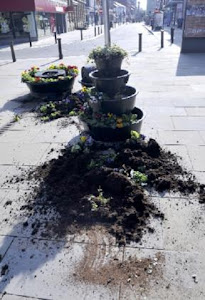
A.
pixel 84 89
pixel 83 139
pixel 119 120
pixel 109 115
pixel 119 125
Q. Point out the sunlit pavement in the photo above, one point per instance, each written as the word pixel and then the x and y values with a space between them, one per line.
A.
pixel 171 93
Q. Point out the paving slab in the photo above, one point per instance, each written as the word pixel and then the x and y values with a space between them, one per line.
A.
pixel 15 297
pixel 183 227
pixel 171 276
pixel 197 157
pixel 45 269
pixel 15 220
pixel 3 194
pixel 18 136
pixel 178 137
pixel 21 154
pixel 195 111
pixel 15 177
pixel 200 176
pixel 189 123
pixel 183 155
pixel 5 243
pixel 202 134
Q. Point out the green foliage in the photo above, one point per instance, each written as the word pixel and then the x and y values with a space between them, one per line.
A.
pixel 108 120
pixel 107 52
pixel 138 176
pixel 72 113
pixel 104 158
pixel 17 118
pixel 76 148
pixel 135 135
pixel 99 200
pixel 29 75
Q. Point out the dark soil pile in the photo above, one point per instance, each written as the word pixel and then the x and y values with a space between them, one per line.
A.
pixel 91 184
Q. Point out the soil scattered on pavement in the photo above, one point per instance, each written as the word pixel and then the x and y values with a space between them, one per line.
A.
pixel 93 183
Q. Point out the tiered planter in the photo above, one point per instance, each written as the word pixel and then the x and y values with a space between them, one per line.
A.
pixel 119 99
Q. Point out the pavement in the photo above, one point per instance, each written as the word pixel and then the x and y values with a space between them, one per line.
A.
pixel 171 93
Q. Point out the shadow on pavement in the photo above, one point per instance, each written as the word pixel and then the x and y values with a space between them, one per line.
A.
pixel 19 104
pixel 191 64
pixel 33 230
pixel 177 35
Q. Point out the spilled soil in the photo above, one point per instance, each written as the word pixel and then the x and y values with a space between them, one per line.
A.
pixel 96 269
pixel 92 184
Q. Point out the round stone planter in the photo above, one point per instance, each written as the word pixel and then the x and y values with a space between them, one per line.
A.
pixel 109 67
pixel 119 106
pixel 110 85
pixel 106 134
pixel 49 89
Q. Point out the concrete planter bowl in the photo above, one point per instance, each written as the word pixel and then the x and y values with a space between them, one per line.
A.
pixel 106 134
pixel 109 67
pixel 46 89
pixel 122 105
pixel 110 85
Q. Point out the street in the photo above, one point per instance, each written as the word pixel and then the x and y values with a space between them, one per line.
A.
pixel 171 94
pixel 126 36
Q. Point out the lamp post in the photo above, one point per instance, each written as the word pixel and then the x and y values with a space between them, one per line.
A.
pixel 106 23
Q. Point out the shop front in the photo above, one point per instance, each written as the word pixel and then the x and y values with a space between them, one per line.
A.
pixel 37 18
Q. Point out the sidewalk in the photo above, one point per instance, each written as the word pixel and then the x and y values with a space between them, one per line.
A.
pixel 171 92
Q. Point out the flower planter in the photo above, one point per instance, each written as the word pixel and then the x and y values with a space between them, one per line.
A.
pixel 45 89
pixel 119 106
pixel 106 134
pixel 109 67
pixel 110 85
pixel 51 82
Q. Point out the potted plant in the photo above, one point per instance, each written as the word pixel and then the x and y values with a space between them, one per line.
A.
pixel 109 127
pixel 108 59
pixel 56 79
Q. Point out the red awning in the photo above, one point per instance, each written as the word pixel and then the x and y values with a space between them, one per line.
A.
pixel 52 6
pixel 17 5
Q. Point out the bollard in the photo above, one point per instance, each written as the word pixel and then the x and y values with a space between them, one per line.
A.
pixel 140 42
pixel 12 52
pixel 29 37
pixel 98 30
pixel 81 34
pixel 55 37
pixel 95 31
pixel 60 48
pixel 162 38
pixel 172 35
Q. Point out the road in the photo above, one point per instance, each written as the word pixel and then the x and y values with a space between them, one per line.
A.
pixel 125 36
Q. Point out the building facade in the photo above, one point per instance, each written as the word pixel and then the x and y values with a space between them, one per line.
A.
pixel 38 18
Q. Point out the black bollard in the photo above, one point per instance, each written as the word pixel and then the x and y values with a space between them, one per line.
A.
pixel 55 37
pixel 12 52
pixel 140 42
pixel 162 38
pixel 60 48
pixel 98 30
pixel 95 31
pixel 81 34
pixel 29 37
pixel 172 35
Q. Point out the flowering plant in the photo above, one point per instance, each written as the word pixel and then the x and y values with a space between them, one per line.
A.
pixel 108 119
pixel 29 75
pixel 107 53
